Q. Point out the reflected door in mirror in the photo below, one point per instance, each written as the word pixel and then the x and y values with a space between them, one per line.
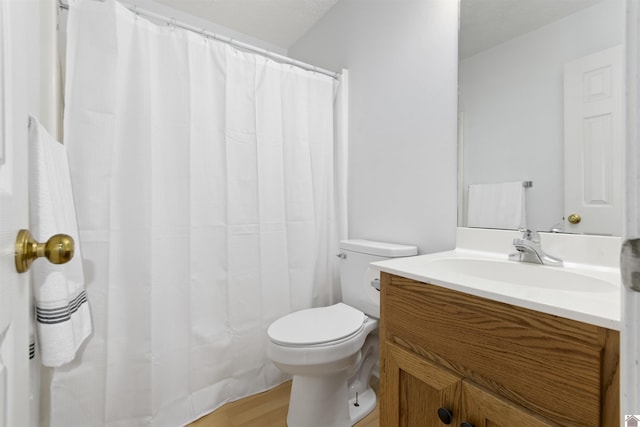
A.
pixel 593 132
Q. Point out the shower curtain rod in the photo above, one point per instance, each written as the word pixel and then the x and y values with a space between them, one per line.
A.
pixel 237 44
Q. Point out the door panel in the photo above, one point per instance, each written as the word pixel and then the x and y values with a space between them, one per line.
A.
pixel 484 409
pixel 594 126
pixel 414 389
pixel 14 290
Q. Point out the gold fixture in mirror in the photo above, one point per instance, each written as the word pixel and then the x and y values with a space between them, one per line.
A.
pixel 58 249
pixel 574 218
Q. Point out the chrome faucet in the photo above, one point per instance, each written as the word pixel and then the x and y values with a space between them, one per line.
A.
pixel 530 250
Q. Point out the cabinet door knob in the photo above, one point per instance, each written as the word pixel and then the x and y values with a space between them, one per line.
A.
pixel 445 415
pixel 467 425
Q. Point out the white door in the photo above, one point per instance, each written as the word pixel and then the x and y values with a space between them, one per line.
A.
pixel 14 287
pixel 593 132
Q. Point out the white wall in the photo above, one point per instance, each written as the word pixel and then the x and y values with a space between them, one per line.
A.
pixel 512 99
pixel 402 62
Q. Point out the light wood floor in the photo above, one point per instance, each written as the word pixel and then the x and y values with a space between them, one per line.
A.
pixel 268 409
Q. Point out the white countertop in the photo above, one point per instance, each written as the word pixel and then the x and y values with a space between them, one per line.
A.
pixel 600 307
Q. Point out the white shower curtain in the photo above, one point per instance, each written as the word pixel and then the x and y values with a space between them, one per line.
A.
pixel 204 179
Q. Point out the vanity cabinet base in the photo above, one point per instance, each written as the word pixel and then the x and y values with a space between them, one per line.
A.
pixel 490 363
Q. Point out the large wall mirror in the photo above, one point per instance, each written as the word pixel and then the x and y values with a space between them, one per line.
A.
pixel 542 101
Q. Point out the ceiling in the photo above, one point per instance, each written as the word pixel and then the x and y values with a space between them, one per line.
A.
pixel 483 23
pixel 487 23
pixel 278 22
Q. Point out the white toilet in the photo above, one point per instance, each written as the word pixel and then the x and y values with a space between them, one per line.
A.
pixel 331 351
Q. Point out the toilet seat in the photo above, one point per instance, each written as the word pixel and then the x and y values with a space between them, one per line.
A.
pixel 317 326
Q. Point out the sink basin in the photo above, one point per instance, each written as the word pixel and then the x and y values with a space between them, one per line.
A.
pixel 517 274
pixel 586 289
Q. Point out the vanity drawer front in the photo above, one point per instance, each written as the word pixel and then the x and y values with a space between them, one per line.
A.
pixel 551 366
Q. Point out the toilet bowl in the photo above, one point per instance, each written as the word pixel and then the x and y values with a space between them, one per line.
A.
pixel 331 351
pixel 324 363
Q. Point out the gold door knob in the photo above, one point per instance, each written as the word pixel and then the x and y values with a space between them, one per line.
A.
pixel 574 218
pixel 58 250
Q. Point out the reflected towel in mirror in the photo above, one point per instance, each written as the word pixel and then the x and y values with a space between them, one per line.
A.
pixel 500 205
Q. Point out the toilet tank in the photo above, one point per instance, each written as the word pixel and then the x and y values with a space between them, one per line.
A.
pixel 356 275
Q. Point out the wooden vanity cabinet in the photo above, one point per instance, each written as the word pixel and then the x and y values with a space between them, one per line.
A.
pixel 449 358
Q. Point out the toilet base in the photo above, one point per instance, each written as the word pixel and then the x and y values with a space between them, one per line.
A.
pixel 312 396
pixel 366 404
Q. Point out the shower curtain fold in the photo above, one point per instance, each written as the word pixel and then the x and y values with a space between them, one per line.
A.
pixel 204 180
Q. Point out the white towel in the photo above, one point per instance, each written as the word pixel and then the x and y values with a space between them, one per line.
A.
pixel 499 205
pixel 63 319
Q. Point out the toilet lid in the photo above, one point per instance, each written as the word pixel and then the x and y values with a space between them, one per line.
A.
pixel 316 325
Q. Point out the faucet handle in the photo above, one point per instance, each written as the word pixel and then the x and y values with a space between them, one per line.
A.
pixel 533 236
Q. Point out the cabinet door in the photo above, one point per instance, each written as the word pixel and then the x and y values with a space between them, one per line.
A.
pixel 414 391
pixel 481 408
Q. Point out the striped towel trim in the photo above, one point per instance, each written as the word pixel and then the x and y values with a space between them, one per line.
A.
pixel 60 314
pixel 32 350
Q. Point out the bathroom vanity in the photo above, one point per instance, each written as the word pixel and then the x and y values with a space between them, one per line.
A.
pixel 489 353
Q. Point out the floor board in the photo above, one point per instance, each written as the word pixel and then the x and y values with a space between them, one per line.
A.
pixel 268 409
